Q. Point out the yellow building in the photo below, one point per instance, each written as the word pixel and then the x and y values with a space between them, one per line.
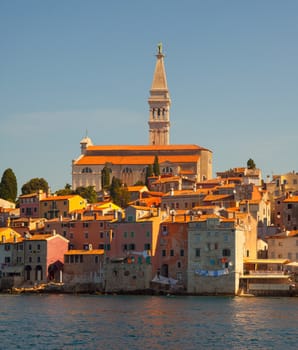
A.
pixel 129 163
pixel 57 206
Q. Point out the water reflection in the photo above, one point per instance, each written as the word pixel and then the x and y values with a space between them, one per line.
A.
pixel 146 322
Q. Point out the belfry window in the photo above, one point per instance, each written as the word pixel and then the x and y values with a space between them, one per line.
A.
pixel 87 170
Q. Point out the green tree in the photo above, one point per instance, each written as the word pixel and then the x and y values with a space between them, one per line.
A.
pixel 156 169
pixel 251 164
pixel 105 177
pixel 8 186
pixel 119 193
pixel 149 173
pixel 65 191
pixel 34 185
pixel 114 189
pixel 88 193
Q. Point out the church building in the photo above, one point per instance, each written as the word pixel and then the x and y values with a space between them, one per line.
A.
pixel 129 162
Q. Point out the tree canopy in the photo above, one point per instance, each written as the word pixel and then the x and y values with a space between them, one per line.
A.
pixel 251 164
pixel 34 185
pixel 8 186
pixel 156 168
pixel 88 193
pixel 119 194
pixel 105 177
pixel 65 191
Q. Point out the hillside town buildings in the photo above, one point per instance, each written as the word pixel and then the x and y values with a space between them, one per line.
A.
pixel 182 232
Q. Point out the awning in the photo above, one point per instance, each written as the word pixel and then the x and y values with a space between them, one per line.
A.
pixel 266 261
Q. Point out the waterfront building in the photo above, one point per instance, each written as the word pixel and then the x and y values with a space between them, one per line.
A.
pixel 129 163
pixel 83 270
pixel 216 250
pixel 43 257
pixel 283 245
pixel 9 262
pixel 172 251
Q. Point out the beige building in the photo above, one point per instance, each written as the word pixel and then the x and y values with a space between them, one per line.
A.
pixel 83 270
pixel 216 250
pixel 129 163
pixel 283 246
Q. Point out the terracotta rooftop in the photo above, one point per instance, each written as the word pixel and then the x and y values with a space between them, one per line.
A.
pixel 135 159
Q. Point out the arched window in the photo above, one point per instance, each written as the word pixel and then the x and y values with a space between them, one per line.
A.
pixel 127 171
pixel 167 170
pixel 87 170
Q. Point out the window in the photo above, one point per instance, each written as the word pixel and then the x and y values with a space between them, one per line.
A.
pixel 132 246
pixel 163 252
pixel 147 234
pixel 179 264
pixel 226 252
pixel 182 252
pixel 197 252
pixel 172 252
pixel 125 234
pixel 87 170
pixel 7 260
pixel 101 224
pixel 290 206
pixel 147 246
pixel 101 235
pixel 38 259
pixel 132 234
pixel 86 234
pixel 96 259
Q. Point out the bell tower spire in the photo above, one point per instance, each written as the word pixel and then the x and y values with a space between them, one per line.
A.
pixel 159 104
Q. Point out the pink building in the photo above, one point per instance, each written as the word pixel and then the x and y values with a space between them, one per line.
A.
pixel 84 232
pixel 43 257
pixel 29 204
pixel 172 249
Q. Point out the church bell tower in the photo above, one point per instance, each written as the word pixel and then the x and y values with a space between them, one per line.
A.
pixel 159 104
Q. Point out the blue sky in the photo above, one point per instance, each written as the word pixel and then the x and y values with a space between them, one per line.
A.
pixel 67 66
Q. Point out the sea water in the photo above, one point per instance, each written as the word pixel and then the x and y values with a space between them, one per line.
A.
pixel 57 321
